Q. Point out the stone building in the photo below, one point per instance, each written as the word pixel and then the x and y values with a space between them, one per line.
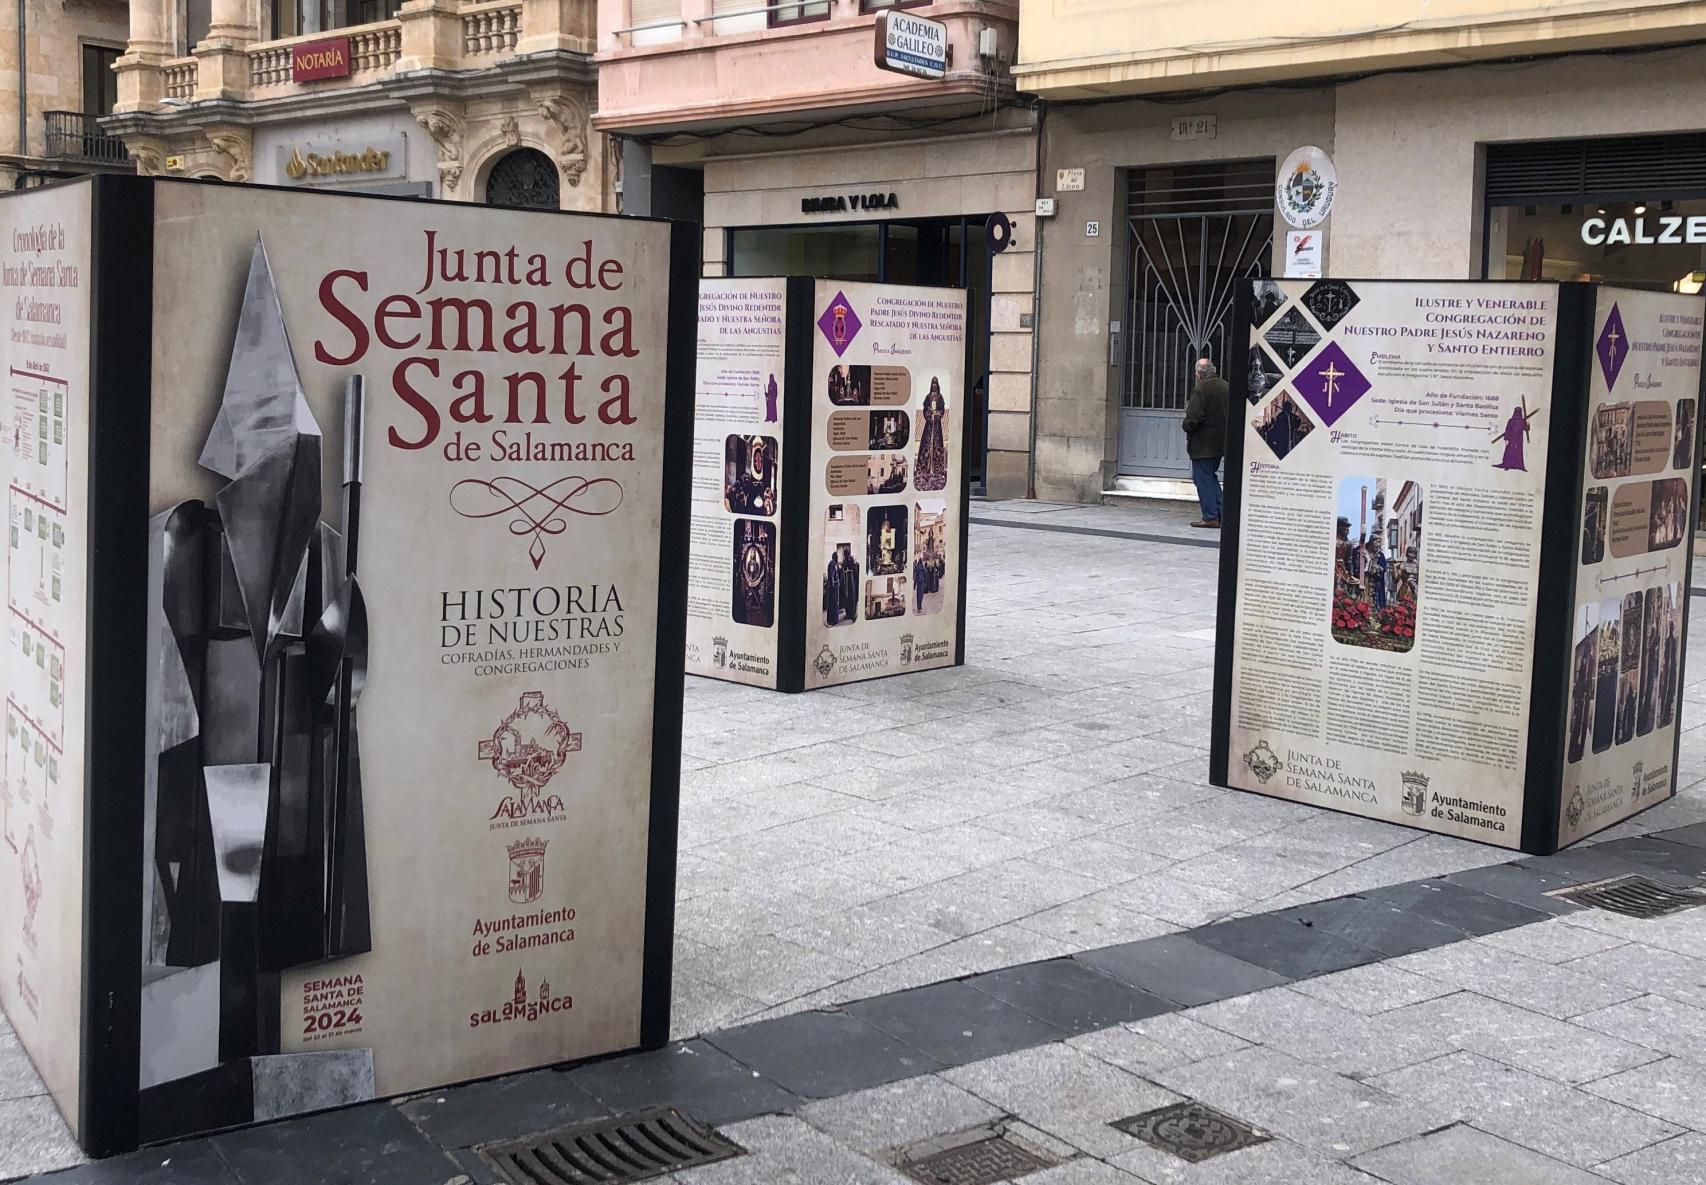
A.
pixel 1463 138
pixel 479 102
pixel 56 81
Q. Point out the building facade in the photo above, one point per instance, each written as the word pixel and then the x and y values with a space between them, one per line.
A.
pixel 774 126
pixel 478 102
pixel 1469 138
pixel 56 82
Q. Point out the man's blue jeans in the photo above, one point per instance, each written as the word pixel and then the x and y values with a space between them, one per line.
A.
pixel 1205 471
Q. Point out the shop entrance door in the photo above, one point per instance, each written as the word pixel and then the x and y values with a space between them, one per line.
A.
pixel 1194 232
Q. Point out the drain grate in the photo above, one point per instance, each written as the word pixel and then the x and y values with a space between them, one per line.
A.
pixel 1633 896
pixel 981 1156
pixel 1191 1131
pixel 634 1147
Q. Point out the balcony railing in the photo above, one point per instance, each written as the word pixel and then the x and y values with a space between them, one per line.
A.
pixel 72 135
pixel 179 78
pixel 371 47
pixel 491 28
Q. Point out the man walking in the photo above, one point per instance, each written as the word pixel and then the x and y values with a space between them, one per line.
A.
pixel 1205 439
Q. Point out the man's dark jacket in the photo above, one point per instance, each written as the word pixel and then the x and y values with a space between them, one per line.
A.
pixel 1205 419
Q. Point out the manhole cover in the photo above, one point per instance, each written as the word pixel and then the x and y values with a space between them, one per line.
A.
pixel 980 1156
pixel 1633 896
pixel 1191 1131
pixel 634 1147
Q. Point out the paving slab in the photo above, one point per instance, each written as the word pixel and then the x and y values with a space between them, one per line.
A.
pixel 1461 1153
pixel 1067 994
pixel 1669 1162
pixel 695 1076
pixel 819 1055
pixel 955 1023
pixel 368 1145
pixel 1177 968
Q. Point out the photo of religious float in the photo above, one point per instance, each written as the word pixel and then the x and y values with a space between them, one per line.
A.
pixel 1455 568
pixel 387 527
pixel 829 503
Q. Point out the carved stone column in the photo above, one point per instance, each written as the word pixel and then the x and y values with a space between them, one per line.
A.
pixel 559 24
pixel 140 85
pixel 432 35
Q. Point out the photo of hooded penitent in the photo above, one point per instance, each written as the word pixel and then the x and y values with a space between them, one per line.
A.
pixel 254 858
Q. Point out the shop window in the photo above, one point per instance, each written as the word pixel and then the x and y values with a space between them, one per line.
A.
pixel 1658 244
pixel 797 14
pixel 524 178
pixel 847 252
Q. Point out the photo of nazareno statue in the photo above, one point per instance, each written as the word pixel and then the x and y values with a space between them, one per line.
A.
pixel 931 472
pixel 749 475
pixel 850 386
pixel 886 540
pixel 1377 558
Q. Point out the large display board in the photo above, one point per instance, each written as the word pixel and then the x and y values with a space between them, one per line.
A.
pixel 409 620
pixel 45 470
pixel 1403 471
pixel 738 439
pixel 848 494
pixel 1640 487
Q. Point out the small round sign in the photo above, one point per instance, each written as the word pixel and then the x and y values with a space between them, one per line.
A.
pixel 998 232
pixel 1304 190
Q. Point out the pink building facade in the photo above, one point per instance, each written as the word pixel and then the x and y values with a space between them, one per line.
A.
pixel 773 125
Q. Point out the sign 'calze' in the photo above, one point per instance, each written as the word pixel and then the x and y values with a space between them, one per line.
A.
pixel 908 44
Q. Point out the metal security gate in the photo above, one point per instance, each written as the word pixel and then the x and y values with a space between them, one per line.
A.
pixel 1194 232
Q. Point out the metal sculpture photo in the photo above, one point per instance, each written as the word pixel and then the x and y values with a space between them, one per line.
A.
pixel 254 849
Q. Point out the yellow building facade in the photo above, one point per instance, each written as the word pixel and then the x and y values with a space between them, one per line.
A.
pixel 479 102
pixel 1464 139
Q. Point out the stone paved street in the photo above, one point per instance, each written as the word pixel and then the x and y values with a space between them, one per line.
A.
pixel 1050 799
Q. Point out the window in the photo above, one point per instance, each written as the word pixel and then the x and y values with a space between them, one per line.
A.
pixel 100 84
pixel 783 13
pixel 525 178
pixel 879 5
pixel 296 18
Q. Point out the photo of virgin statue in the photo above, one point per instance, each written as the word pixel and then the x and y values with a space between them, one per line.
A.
pixel 932 470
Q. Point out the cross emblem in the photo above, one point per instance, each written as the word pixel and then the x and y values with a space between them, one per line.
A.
pixel 1332 374
pixel 1612 336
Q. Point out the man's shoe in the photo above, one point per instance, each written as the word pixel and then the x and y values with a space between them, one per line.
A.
pixel 1207 522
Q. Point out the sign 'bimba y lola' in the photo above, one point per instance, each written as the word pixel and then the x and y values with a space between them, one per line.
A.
pixel 520 317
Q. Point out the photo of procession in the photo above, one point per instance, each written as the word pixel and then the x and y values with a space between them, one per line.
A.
pixel 749 475
pixel 1624 681
pixel 1262 376
pixel 1668 518
pixel 1282 425
pixel 1594 504
pixel 885 473
pixel 889 429
pixel 850 386
pixel 1682 444
pixel 885 596
pixel 1377 552
pixel 885 540
pixel 929 555
pixel 841 574
pixel 1613 440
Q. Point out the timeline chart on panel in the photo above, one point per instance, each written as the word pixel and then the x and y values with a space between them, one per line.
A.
pixel 888 398
pixel 1629 630
pixel 1381 656
pixel 44 357
pixel 734 554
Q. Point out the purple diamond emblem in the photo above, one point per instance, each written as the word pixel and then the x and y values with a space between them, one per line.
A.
pixel 839 323
pixel 1330 384
pixel 1612 347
